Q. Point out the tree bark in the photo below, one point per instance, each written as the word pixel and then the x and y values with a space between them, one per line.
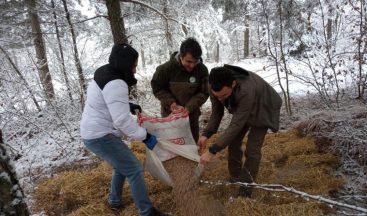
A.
pixel 118 31
pixel 237 46
pixel 78 65
pixel 10 191
pixel 167 30
pixel 42 65
pixel 274 54
pixel 116 21
pixel 287 97
pixel 329 52
pixel 329 25
pixel 62 60
pixel 361 85
pixel 246 41
pixel 309 25
pixel 142 54
pixel 217 53
pixel 329 28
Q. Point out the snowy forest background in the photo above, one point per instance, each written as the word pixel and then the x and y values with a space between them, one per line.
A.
pixel 49 49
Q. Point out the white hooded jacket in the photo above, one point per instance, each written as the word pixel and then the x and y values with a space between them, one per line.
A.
pixel 107 111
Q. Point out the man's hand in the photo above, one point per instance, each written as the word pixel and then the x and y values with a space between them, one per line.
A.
pixel 206 158
pixel 173 106
pixel 202 144
pixel 177 108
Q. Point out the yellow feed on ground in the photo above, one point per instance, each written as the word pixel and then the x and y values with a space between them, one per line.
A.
pixel 288 160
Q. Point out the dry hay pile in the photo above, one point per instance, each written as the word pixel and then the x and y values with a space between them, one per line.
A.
pixel 287 159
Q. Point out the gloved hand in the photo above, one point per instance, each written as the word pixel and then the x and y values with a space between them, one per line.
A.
pixel 150 141
pixel 134 107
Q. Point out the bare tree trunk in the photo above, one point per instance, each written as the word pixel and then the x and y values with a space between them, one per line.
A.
pixel 282 57
pixel 365 30
pixel 62 60
pixel 363 36
pixel 116 21
pixel 246 41
pixel 76 55
pixel 274 55
pixel 259 52
pixel 118 31
pixel 167 30
pixel 142 57
pixel 329 25
pixel 309 25
pixel 22 78
pixel 361 85
pixel 42 65
pixel 217 53
pixel 184 29
pixel 237 46
pixel 10 190
pixel 328 52
pixel 329 29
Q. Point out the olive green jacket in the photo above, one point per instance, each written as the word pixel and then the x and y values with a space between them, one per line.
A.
pixel 172 83
pixel 253 103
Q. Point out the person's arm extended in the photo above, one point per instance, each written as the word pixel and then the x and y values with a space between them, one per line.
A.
pixel 115 94
pixel 239 119
pixel 215 117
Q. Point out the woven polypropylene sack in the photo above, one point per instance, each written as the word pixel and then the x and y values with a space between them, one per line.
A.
pixel 175 138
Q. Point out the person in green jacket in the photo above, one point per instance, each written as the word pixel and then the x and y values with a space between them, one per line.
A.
pixel 255 107
pixel 183 81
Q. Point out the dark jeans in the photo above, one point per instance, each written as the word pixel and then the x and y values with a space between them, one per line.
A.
pixel 252 153
pixel 125 164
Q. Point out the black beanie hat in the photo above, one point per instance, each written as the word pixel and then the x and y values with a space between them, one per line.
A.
pixel 122 59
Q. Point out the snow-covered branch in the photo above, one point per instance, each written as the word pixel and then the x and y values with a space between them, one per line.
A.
pixel 282 188
pixel 155 10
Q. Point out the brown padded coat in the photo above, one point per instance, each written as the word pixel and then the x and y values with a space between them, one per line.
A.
pixel 253 103
pixel 172 83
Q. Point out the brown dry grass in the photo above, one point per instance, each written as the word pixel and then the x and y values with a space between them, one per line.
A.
pixel 287 159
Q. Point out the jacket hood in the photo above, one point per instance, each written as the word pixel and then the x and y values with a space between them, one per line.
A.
pixel 122 59
pixel 175 57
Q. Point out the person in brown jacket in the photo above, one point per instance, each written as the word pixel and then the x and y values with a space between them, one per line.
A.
pixel 183 81
pixel 255 107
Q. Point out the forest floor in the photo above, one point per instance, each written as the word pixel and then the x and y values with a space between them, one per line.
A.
pixel 318 151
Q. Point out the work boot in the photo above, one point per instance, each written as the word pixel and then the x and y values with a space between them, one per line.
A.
pixel 245 176
pixel 115 207
pixel 245 192
pixel 233 179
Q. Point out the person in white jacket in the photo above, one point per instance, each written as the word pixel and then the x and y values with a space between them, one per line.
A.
pixel 106 117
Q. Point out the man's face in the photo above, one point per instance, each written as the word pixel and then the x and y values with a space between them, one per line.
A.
pixel 189 62
pixel 224 93
pixel 134 66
